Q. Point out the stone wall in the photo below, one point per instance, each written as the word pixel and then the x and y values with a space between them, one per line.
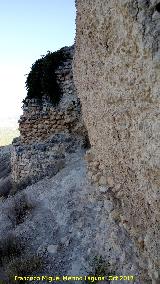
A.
pixel 38 160
pixel 47 132
pixel 117 76
pixel 41 119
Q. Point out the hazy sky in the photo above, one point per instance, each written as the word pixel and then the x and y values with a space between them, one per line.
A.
pixel 28 29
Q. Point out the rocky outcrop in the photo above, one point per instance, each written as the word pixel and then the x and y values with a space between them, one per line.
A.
pixel 118 82
pixel 47 131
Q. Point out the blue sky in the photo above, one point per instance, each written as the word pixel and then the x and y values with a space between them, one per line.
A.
pixel 28 29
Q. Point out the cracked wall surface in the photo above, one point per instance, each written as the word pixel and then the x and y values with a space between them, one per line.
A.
pixel 117 76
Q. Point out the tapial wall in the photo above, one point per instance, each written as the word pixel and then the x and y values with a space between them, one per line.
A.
pixel 117 76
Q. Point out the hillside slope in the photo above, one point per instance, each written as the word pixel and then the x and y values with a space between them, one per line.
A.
pixel 67 224
pixel 7 134
pixel 5 171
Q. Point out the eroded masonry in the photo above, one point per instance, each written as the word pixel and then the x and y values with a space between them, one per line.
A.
pixel 48 132
pixel 118 83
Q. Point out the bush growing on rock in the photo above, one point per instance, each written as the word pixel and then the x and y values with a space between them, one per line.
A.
pixel 42 79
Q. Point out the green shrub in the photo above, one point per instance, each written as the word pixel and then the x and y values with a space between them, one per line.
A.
pixel 42 79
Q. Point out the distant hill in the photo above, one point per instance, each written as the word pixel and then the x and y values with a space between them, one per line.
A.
pixel 9 121
pixel 7 134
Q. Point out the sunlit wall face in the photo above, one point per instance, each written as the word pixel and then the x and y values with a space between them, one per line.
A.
pixel 28 30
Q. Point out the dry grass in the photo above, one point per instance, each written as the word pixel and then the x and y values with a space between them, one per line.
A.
pixel 15 261
pixel 5 174
pixel 20 209
pixel 24 266
pixel 5 165
pixel 10 247
pixel 5 187
pixel 100 267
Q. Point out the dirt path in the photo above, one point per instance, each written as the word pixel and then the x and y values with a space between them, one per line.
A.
pixel 71 226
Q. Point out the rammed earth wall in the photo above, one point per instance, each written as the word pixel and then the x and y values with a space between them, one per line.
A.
pixel 117 76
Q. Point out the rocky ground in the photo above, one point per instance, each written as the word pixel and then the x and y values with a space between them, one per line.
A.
pixel 63 226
